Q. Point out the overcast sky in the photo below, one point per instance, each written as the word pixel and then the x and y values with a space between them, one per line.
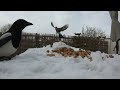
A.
pixel 75 19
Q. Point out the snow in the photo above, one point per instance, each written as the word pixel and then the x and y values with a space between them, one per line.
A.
pixel 34 64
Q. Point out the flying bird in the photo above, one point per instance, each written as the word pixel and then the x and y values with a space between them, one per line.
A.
pixel 10 40
pixel 59 30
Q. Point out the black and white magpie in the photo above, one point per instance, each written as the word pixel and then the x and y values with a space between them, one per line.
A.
pixel 117 46
pixel 10 40
pixel 58 30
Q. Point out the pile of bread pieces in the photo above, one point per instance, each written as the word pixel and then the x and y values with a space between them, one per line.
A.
pixel 69 52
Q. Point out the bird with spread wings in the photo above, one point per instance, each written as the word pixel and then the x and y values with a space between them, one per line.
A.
pixel 59 30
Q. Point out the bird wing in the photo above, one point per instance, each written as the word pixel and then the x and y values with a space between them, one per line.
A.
pixel 64 27
pixel 5 38
pixel 52 24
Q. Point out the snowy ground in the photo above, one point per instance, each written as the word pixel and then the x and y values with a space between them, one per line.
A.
pixel 34 64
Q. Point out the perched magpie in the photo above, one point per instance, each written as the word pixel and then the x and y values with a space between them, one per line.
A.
pixel 58 30
pixel 117 46
pixel 10 40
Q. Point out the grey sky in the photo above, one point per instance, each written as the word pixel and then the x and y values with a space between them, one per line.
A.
pixel 75 19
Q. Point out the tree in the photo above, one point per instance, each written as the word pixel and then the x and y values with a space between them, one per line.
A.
pixel 115 26
pixel 92 32
pixel 5 28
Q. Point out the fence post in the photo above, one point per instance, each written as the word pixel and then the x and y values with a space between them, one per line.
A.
pixel 37 40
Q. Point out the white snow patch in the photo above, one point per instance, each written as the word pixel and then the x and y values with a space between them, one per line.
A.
pixel 34 64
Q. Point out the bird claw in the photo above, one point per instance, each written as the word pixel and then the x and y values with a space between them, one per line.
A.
pixel 5 58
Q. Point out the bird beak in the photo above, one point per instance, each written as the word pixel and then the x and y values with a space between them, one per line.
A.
pixel 30 23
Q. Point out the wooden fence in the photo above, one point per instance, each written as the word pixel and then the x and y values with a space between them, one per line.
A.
pixel 30 40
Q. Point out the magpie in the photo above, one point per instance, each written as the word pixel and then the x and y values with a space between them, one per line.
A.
pixel 10 40
pixel 58 30
pixel 117 46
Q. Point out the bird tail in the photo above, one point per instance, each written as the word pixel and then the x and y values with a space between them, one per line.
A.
pixel 60 35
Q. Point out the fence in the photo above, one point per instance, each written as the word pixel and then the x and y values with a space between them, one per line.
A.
pixel 30 40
